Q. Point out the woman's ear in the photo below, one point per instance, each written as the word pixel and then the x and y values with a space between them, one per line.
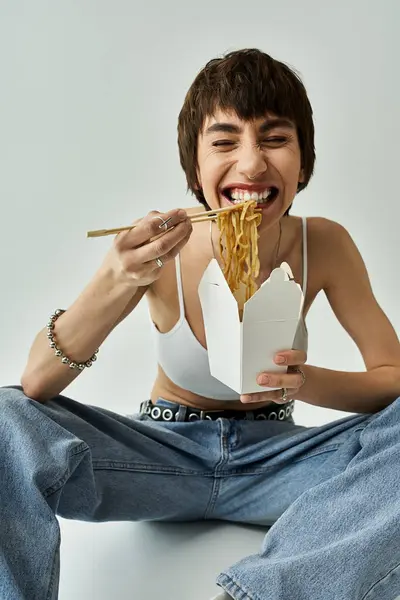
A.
pixel 198 185
pixel 301 176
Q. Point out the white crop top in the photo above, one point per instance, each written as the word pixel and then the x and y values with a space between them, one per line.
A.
pixel 185 361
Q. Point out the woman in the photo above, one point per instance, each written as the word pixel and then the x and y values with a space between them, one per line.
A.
pixel 330 493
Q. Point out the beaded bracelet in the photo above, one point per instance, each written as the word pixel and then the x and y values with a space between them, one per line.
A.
pixel 58 352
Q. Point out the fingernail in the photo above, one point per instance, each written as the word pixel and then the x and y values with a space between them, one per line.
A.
pixel 280 360
pixel 263 380
pixel 245 398
pixel 182 214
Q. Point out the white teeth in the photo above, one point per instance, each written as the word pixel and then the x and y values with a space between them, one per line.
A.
pixel 238 195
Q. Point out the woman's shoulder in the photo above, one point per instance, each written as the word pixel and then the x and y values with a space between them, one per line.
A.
pixel 326 234
pixel 321 232
pixel 330 247
pixel 324 226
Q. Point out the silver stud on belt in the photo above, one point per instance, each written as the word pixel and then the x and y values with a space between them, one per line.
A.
pixel 167 414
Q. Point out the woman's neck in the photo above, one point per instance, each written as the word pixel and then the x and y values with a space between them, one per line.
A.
pixel 270 247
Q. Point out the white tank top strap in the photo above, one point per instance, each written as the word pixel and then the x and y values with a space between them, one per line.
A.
pixel 180 288
pixel 211 237
pixel 305 257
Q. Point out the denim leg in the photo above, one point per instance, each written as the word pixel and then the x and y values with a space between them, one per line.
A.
pixel 87 463
pixel 337 530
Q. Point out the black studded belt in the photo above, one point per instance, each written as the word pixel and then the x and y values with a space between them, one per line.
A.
pixel 181 412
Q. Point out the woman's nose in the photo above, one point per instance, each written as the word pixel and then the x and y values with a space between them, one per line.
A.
pixel 252 164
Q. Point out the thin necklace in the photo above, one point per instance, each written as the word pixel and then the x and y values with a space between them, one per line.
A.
pixel 278 246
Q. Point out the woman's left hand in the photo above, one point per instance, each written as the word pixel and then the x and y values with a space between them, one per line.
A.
pixel 292 380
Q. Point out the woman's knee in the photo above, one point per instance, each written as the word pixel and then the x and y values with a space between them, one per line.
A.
pixel 12 393
pixel 14 404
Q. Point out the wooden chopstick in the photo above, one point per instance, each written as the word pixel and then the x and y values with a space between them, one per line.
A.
pixel 204 218
pixel 195 218
pixel 208 213
pixel 100 232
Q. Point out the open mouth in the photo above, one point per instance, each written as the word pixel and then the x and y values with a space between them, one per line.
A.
pixel 263 197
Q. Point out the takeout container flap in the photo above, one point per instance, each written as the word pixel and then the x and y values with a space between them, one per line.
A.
pixel 239 351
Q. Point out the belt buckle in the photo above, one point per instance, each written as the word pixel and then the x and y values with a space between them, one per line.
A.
pixel 145 407
pixel 204 416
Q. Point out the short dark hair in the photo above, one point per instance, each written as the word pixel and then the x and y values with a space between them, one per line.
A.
pixel 252 84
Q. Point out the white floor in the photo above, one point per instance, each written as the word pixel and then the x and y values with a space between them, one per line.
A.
pixel 150 561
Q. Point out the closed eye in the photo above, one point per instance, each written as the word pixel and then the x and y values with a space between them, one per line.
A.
pixel 269 140
pixel 275 140
pixel 223 143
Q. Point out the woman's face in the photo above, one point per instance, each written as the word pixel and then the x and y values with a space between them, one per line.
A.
pixel 239 158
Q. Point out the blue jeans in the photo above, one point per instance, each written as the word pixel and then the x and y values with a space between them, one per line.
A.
pixel 330 494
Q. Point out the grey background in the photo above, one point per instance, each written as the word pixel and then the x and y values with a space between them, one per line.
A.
pixel 90 93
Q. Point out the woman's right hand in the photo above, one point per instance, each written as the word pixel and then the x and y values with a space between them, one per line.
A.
pixel 133 255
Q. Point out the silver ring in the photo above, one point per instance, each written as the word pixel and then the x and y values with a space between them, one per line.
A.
pixel 284 394
pixel 299 370
pixel 159 262
pixel 164 224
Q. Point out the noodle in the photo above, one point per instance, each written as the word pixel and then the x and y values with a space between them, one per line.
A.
pixel 239 247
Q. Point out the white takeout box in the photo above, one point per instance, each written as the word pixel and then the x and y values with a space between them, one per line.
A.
pixel 239 351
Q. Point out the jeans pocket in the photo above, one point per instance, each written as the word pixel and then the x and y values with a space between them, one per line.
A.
pixel 316 451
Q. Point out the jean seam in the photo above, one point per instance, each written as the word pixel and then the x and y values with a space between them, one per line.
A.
pixel 80 449
pixel 236 441
pixel 52 489
pixel 262 470
pixel 217 478
pixel 371 589
pixel 233 586
pixel 50 594
pixel 318 451
pixel 146 468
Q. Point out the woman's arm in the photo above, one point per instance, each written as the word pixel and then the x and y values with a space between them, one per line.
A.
pixel 349 293
pixel 78 332
pixel 365 392
pixel 127 272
